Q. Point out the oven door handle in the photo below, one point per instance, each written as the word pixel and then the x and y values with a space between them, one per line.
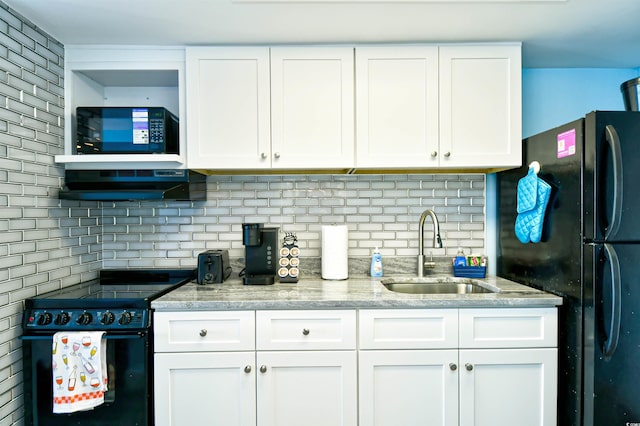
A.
pixel 137 335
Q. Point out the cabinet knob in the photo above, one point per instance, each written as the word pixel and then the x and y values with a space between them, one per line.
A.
pixel 468 366
pixel 305 331
pixel 263 368
pixel 447 154
pixel 263 155
pixel 247 369
pixel 453 367
pixel 277 155
pixel 434 153
pixel 203 332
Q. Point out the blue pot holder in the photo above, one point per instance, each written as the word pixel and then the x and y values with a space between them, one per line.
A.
pixel 533 197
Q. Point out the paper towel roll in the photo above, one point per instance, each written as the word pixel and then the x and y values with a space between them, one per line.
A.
pixel 335 247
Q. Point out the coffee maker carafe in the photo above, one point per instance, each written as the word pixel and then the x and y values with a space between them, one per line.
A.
pixel 260 246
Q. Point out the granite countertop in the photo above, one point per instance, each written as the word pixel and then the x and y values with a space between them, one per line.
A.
pixel 356 292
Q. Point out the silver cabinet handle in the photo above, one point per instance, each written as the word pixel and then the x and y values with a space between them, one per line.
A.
pixel 447 154
pixel 453 366
pixel 434 153
pixel 264 155
pixel 277 155
pixel 263 368
pixel 247 369
pixel 468 366
pixel 203 332
pixel 305 331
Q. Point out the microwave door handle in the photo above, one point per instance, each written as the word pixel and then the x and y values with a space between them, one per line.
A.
pixel 613 140
pixel 611 343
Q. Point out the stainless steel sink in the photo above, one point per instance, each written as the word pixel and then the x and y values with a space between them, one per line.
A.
pixel 437 285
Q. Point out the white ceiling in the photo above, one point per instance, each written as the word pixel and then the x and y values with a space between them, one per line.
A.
pixel 555 33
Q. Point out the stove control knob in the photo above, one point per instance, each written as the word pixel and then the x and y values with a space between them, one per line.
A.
pixel 107 318
pixel 45 318
pixel 125 318
pixel 62 318
pixel 85 318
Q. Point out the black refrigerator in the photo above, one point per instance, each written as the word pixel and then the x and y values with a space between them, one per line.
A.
pixel 588 253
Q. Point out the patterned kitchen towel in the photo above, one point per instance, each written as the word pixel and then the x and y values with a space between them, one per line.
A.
pixel 533 197
pixel 79 370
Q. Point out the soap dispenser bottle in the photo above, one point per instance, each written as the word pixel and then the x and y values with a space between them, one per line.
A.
pixel 376 263
pixel 460 259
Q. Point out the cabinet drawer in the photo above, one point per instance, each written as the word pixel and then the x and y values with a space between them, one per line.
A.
pixel 305 330
pixel 408 328
pixel 204 331
pixel 509 328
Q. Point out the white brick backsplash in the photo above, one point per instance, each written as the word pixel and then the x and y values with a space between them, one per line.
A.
pixel 44 245
pixel 380 210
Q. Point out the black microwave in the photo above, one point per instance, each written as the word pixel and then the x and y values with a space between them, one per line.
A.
pixel 126 130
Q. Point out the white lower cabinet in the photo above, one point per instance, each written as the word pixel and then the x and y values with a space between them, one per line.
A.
pixel 307 368
pixel 445 367
pixel 448 382
pixel 311 388
pixel 399 387
pixel 302 371
pixel 205 388
pixel 508 387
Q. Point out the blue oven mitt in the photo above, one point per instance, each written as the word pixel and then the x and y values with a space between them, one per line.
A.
pixel 533 197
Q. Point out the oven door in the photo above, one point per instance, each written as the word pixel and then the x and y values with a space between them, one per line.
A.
pixel 126 402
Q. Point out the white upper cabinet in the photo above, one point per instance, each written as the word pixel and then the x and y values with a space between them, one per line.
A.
pixel 480 106
pixel 228 96
pixel 305 108
pixel 397 106
pixel 438 107
pixel 262 108
pixel 312 107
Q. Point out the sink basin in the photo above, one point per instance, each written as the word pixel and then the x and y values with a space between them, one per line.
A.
pixel 437 285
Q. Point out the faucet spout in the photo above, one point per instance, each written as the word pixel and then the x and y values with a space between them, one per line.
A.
pixel 437 240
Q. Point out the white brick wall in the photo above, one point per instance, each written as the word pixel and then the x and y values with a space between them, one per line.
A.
pixel 43 245
pixel 380 210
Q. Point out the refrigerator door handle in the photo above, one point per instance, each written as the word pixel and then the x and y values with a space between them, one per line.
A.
pixel 613 140
pixel 611 343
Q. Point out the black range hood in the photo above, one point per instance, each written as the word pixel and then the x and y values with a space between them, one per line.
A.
pixel 129 185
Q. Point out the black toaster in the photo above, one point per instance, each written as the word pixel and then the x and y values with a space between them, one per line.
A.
pixel 213 266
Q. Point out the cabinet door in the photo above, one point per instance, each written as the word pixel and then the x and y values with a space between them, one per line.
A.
pixel 397 106
pixel 312 107
pixel 506 387
pixel 228 107
pixel 311 388
pixel 408 388
pixel 213 389
pixel 480 106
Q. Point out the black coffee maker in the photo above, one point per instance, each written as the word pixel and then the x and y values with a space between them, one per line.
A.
pixel 261 253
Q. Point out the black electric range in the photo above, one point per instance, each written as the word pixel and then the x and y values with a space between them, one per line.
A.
pixel 118 303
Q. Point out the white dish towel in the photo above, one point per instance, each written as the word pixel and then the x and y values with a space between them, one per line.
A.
pixel 79 370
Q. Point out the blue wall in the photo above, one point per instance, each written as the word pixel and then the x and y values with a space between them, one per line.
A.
pixel 551 97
